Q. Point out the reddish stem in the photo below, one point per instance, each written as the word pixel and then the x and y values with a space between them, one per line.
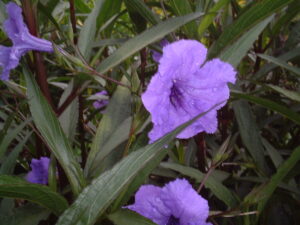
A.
pixel 73 20
pixel 40 68
pixel 143 54
pixel 201 154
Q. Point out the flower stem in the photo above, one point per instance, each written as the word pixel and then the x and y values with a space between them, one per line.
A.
pixel 38 58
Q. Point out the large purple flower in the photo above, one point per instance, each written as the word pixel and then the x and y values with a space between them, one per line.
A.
pixel 177 203
pixel 185 86
pixel 22 40
pixel 39 172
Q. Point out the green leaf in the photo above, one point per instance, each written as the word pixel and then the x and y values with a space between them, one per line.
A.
pixel 81 6
pixel 107 11
pixel 49 127
pixel 97 197
pixel 283 110
pixel 268 189
pixel 273 153
pixel 136 183
pixel 249 132
pixel 69 118
pixel 2 12
pixel 245 22
pixel 281 63
pixel 88 31
pixel 15 187
pixel 112 130
pixel 216 187
pixel 10 136
pixel 210 15
pixel 270 66
pixel 183 7
pixel 142 40
pixel 125 217
pixel 291 12
pixel 10 161
pixel 234 53
pixel 293 95
pixel 26 215
pixel 142 8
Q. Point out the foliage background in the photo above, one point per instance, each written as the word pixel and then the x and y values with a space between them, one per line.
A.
pixel 249 168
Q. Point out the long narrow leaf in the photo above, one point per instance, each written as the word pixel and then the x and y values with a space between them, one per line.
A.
pixel 263 195
pixel 137 43
pixel 249 132
pixel 281 63
pixel 48 124
pixel 246 21
pixel 116 114
pixel 96 198
pixel 15 187
pixel 283 110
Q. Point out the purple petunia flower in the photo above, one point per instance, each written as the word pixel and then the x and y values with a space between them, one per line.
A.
pixel 177 203
pixel 22 40
pixel 184 87
pixel 101 102
pixel 39 172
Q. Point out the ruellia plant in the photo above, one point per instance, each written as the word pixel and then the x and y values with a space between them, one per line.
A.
pixel 141 112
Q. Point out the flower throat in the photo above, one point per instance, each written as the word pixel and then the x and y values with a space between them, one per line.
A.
pixel 173 221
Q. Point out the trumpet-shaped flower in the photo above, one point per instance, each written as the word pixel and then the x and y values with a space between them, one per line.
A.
pixel 39 172
pixel 185 86
pixel 22 41
pixel 177 203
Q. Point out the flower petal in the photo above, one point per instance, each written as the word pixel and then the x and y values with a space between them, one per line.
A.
pixel 149 204
pixel 4 62
pixel 101 102
pixel 181 59
pixel 22 40
pixel 39 172
pixel 14 26
pixel 185 203
pixel 183 88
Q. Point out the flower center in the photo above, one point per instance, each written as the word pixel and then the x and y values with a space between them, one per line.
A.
pixel 173 221
pixel 176 96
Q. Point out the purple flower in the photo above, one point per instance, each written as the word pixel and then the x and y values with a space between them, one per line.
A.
pixel 39 172
pixel 22 40
pixel 101 102
pixel 157 55
pixel 184 87
pixel 177 203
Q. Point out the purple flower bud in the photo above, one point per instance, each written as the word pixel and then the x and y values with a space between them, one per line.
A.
pixel 183 88
pixel 98 104
pixel 22 40
pixel 177 203
pixel 39 172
